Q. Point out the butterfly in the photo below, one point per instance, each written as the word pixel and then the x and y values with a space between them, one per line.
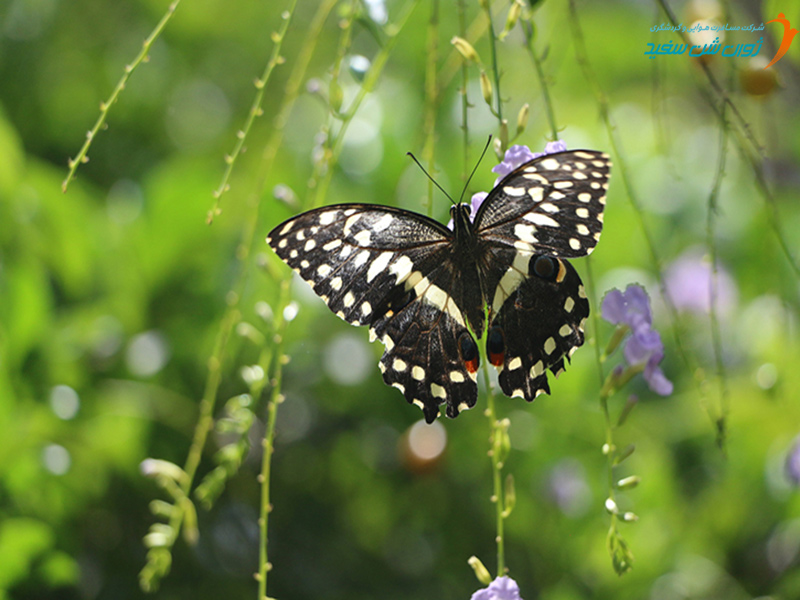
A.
pixel 428 292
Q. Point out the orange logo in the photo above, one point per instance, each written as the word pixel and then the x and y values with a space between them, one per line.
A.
pixel 788 36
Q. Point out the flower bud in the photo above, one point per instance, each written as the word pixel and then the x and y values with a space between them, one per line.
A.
pixel 465 49
pixel 486 88
pixel 513 16
pixel 504 133
pixel 611 506
pixel 522 118
pixel 335 95
pixel 628 482
pixel 510 496
pixel 481 572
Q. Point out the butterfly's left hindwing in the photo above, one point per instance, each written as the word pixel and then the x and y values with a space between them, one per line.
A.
pixel 539 324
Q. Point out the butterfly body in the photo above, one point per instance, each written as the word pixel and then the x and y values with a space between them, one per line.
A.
pixel 424 289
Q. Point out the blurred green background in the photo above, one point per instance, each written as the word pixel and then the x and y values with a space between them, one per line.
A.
pixel 112 295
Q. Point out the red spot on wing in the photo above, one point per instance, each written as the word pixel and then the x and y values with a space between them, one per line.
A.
pixel 497 358
pixel 472 365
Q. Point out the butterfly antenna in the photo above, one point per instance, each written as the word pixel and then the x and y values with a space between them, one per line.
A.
pixel 414 158
pixel 475 168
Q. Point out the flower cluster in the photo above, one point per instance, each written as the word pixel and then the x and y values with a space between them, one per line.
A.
pixel 643 349
pixel 502 588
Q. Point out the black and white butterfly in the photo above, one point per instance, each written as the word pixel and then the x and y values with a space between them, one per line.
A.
pixel 423 289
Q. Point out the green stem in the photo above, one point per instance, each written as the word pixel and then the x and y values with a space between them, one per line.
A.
pixel 527 28
pixel 495 430
pixel 105 107
pixel 462 31
pixel 431 100
pixel 495 69
pixel 255 109
pixel 712 309
pixel 276 398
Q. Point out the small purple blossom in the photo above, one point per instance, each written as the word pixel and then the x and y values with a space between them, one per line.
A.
pixel 517 155
pixel 644 347
pixel 502 588
pixel 688 284
pixel 793 462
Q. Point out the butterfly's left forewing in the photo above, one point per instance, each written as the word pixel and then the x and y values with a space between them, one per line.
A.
pixel 393 271
pixel 552 204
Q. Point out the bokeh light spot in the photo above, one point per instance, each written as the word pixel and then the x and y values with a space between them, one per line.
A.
pixel 65 402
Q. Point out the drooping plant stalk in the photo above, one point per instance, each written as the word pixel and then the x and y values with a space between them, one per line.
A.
pixel 255 109
pixel 105 107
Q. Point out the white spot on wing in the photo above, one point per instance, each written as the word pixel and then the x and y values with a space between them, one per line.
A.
pixel 401 268
pixel 536 193
pixel 348 224
pixel 328 217
pixel 438 391
pixel 456 377
pixel 332 245
pixel 378 265
pixel 418 373
pixel 349 299
pixel 514 363
pixel 361 259
pixel 525 233
pixel 286 228
pixel 569 304
pixel 550 164
pixel 388 342
pixel 514 191
pixel 363 237
pixel 399 365
pixel 539 219
pixel 382 223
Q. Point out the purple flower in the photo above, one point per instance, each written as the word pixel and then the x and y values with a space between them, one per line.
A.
pixel 793 462
pixel 688 284
pixel 502 588
pixel 517 155
pixel 644 347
